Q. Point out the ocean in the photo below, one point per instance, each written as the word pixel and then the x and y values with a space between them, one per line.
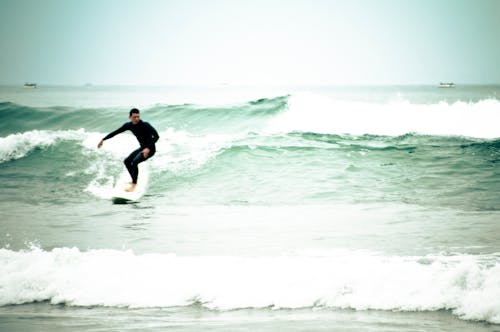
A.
pixel 371 208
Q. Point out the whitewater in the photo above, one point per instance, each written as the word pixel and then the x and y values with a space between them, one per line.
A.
pixel 467 285
pixel 267 208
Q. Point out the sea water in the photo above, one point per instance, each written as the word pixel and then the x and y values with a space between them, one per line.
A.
pixel 370 208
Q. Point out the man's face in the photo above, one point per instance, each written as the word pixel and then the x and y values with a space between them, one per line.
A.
pixel 135 117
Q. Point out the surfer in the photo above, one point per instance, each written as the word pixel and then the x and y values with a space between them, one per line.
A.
pixel 147 137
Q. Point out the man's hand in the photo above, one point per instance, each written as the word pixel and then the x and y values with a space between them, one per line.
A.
pixel 100 144
pixel 145 152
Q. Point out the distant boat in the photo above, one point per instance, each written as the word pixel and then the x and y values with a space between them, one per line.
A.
pixel 446 85
pixel 30 85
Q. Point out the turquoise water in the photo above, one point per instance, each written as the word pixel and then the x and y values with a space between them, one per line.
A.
pixel 350 208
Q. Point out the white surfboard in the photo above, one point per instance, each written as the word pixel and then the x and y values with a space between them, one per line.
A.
pixel 119 195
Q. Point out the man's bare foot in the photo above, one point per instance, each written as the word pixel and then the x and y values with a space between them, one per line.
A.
pixel 131 188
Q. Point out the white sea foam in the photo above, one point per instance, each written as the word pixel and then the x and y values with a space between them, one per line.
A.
pixel 342 279
pixel 179 151
pixel 18 145
pixel 308 112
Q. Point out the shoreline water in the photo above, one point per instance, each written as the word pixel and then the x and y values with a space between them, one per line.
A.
pixel 45 317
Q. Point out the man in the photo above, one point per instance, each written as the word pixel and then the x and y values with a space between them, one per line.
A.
pixel 147 137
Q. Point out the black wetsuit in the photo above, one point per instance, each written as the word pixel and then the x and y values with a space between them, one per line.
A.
pixel 147 137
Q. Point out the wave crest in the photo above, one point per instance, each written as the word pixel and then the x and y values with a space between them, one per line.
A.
pixel 19 145
pixel 466 284
pixel 314 113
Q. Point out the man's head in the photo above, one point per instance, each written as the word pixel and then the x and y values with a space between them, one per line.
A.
pixel 134 116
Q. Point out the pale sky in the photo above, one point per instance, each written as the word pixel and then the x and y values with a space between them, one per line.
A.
pixel 153 42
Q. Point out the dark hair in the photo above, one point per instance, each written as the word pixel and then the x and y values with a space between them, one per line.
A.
pixel 133 111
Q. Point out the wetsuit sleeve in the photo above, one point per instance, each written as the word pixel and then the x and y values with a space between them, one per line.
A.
pixel 116 132
pixel 154 136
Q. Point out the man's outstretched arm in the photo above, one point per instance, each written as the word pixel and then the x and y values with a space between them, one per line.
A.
pixel 112 134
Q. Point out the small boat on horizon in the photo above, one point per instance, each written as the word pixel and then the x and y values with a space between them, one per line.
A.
pixel 447 85
pixel 30 85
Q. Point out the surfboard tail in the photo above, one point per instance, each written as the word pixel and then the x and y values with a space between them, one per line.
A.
pixel 120 195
